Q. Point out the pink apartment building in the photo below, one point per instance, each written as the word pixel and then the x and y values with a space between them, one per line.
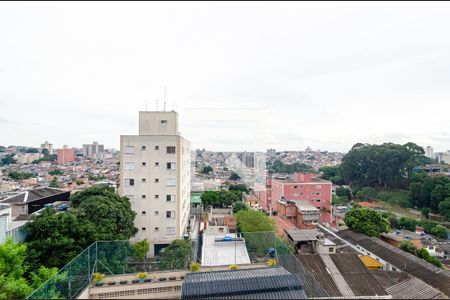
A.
pixel 308 188
pixel 65 155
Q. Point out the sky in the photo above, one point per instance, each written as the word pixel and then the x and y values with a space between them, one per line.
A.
pixel 242 76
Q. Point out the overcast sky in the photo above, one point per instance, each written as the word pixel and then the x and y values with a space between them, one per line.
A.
pixel 243 76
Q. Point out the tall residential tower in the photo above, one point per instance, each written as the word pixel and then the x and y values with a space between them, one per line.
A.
pixel 155 176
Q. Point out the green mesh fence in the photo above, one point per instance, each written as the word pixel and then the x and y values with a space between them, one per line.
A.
pixel 114 258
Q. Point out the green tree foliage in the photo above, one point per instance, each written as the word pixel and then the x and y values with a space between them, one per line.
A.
pixel 97 213
pixel 238 206
pixel 254 221
pixel 56 172
pixel 13 282
pixel 2 149
pixel 407 223
pixel 425 212
pixel 234 176
pixel 366 221
pixel 423 254
pixel 8 160
pixel 207 169
pixel 439 231
pixel 141 249
pixel 19 175
pixel 45 152
pixel 444 208
pixel 333 173
pixel 238 187
pixel 343 192
pixel 32 150
pixel 385 165
pixel 408 247
pixel 53 182
pixel 280 167
pixel 429 191
pixel 220 199
pixel 96 178
pixel 176 255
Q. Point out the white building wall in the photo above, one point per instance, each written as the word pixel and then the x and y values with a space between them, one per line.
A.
pixel 160 195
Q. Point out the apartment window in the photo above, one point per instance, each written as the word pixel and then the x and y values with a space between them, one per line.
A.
pixel 171 166
pixel 129 149
pixel 143 228
pixel 143 148
pixel 143 180
pixel 156 180
pixel 143 196
pixel 171 182
pixel 156 196
pixel 170 150
pixel 170 198
pixel 129 182
pixel 295 186
pixel 129 166
pixel 144 163
pixel 318 200
pixel 171 230
pixel 170 214
pixel 331 250
pixel 163 121
pixel 156 228
pixel 156 213
pixel 156 147
pixel 156 164
pixel 318 187
pixel 143 212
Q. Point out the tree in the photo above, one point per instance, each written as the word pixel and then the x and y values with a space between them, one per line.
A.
pixel 439 231
pixel 176 255
pixel 385 165
pixel 234 176
pixel 423 254
pixel 343 192
pixel 254 221
pixel 439 193
pixel 366 221
pixel 444 208
pixel 141 249
pixel 54 182
pixel 97 213
pixel 220 199
pixel 32 150
pixel 425 212
pixel 13 283
pixel 408 247
pixel 56 172
pixel 332 173
pixel 280 167
pixel 238 206
pixel 8 160
pixel 19 175
pixel 238 187
pixel 207 169
pixel 407 223
pixel 45 152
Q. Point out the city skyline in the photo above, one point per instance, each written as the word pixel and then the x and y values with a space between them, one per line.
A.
pixel 323 76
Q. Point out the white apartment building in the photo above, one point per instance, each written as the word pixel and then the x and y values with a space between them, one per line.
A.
pixel 155 176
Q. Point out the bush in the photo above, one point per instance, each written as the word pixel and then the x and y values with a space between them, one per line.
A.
pixel 407 223
pixel 366 221
pixel 408 247
pixel 439 231
pixel 195 267
pixel 272 262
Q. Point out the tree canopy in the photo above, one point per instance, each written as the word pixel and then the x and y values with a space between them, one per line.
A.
pixel 385 165
pixel 234 176
pixel 366 221
pixel 332 173
pixel 280 167
pixel 97 213
pixel 19 175
pixel 254 221
pixel 207 169
pixel 220 199
pixel 176 255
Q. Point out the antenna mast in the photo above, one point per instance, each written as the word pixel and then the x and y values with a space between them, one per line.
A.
pixel 165 99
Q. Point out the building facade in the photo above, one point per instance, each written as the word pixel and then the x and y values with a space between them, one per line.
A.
pixel 155 176
pixel 93 150
pixel 305 187
pixel 65 155
pixel 47 146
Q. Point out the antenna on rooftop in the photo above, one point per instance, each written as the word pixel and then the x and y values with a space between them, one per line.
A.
pixel 156 101
pixel 146 102
pixel 165 99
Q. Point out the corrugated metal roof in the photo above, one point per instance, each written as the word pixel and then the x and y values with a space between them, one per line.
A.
pixel 264 283
pixel 413 288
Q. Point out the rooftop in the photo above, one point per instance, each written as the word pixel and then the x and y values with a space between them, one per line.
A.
pixel 33 195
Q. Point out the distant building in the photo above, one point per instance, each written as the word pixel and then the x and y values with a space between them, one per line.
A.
pixel 271 152
pixel 9 227
pixel 65 155
pixel 300 213
pixel 429 152
pixel 305 187
pixel 47 146
pixel 443 157
pixel 93 150
pixel 247 158
pixel 398 236
pixel 155 175
pixel 27 158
